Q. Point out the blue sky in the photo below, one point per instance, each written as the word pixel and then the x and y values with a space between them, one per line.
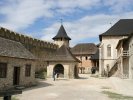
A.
pixel 83 20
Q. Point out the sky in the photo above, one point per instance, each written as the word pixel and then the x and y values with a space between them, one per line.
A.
pixel 83 20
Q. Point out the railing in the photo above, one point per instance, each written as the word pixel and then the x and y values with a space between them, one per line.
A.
pixel 125 53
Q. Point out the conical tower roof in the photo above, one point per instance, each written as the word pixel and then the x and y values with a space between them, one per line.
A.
pixel 62 34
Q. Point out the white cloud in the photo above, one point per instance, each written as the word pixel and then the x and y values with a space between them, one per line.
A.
pixel 22 13
pixel 119 6
pixel 85 28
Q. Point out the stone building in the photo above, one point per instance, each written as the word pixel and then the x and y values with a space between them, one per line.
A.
pixel 40 49
pixel 107 49
pixel 84 52
pixel 17 65
pixel 95 59
pixel 62 62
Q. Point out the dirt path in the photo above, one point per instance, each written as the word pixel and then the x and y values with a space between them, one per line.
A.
pixel 85 88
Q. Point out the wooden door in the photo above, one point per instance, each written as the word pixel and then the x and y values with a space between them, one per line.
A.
pixel 16 76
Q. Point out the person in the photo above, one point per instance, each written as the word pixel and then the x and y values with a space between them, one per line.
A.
pixel 93 70
pixel 54 73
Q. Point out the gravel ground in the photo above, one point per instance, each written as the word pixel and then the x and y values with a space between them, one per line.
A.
pixel 85 88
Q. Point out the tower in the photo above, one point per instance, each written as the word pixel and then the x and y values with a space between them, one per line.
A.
pixel 62 38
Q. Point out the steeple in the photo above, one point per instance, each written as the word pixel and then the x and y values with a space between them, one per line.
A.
pixel 62 38
pixel 62 34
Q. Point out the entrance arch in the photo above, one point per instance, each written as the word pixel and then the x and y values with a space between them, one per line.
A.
pixel 59 70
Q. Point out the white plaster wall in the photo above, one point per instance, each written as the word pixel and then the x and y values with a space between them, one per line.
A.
pixel 104 59
pixel 131 58
pixel 61 42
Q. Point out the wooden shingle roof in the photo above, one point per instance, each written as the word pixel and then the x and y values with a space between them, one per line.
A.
pixel 63 54
pixel 95 56
pixel 84 49
pixel 10 48
pixel 62 34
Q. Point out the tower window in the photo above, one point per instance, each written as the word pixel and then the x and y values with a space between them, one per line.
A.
pixel 109 50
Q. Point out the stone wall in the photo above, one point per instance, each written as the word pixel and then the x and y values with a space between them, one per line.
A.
pixel 41 49
pixel 14 62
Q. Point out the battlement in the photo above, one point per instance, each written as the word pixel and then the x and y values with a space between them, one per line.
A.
pixel 26 40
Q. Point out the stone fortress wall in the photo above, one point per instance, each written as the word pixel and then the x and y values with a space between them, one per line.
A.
pixel 41 49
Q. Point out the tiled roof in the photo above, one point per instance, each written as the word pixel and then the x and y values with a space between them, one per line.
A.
pixel 62 34
pixel 63 54
pixel 15 49
pixel 123 27
pixel 84 49
pixel 95 56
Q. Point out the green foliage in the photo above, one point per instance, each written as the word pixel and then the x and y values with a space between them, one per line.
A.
pixel 13 98
pixel 104 87
pixel 116 96
pixel 41 74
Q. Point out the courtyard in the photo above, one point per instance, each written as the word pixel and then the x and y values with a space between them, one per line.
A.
pixel 87 87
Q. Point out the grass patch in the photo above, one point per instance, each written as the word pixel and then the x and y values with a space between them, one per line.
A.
pixel 14 98
pixel 116 96
pixel 95 76
pixel 41 74
pixel 104 87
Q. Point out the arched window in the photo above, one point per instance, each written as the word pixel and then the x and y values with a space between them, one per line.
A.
pixel 109 50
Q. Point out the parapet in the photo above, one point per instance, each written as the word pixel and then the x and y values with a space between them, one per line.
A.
pixel 26 40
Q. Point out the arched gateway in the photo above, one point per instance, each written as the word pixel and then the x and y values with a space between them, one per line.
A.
pixel 62 61
pixel 59 70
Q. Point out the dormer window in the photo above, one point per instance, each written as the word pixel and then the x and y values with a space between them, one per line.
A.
pixel 109 50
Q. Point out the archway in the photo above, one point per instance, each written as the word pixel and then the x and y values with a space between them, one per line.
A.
pixel 59 70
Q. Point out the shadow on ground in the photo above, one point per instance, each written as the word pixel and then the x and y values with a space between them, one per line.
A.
pixel 40 84
pixel 82 78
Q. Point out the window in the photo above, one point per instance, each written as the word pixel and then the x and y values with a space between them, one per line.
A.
pixel 109 50
pixel 3 70
pixel 27 70
pixel 80 57
pixel 86 58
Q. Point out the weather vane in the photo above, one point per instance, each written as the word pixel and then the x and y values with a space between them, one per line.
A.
pixel 110 23
pixel 61 20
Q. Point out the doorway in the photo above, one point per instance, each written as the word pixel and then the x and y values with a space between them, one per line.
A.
pixel 75 72
pixel 16 76
pixel 59 70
